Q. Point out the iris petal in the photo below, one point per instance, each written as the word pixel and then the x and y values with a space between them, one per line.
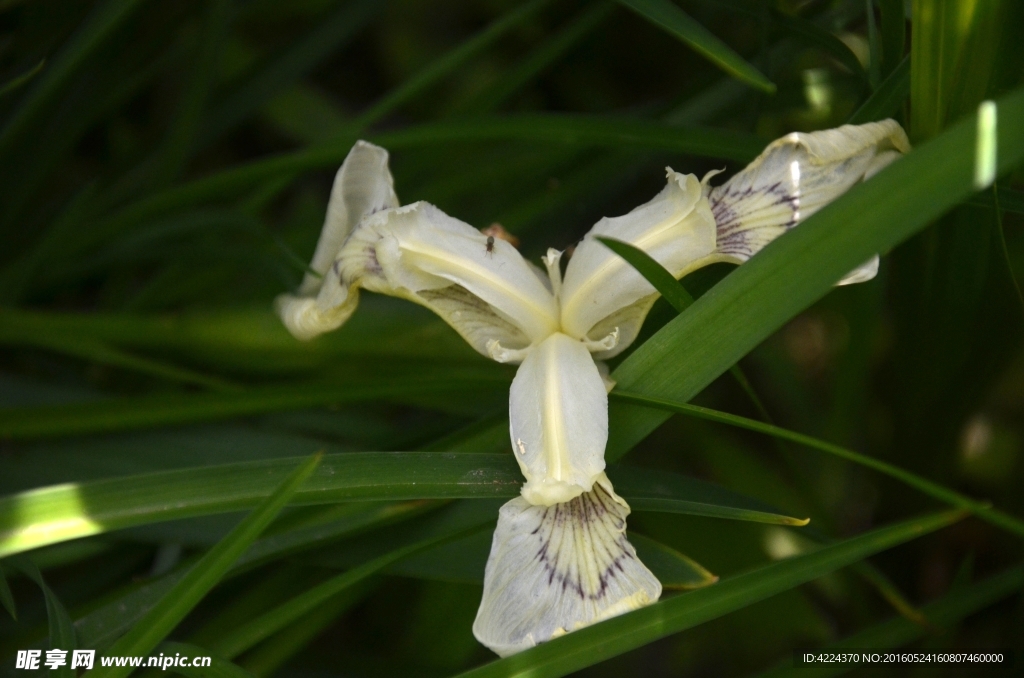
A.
pixel 795 177
pixel 558 415
pixel 676 228
pixel 556 569
pixel 362 186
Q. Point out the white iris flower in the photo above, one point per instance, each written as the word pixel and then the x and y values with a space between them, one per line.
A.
pixel 560 559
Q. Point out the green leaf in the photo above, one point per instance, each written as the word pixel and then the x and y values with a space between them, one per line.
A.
pixel 253 341
pixel 802 266
pixel 61 629
pixel 104 354
pixel 19 80
pixel 1010 200
pixel 166 409
pixel 675 21
pixel 615 636
pixel 956 605
pixel 272 653
pixel 954 60
pixel 162 618
pixel 679 298
pixel 651 490
pixel 443 66
pixel 894 31
pixel 540 59
pixel 656 274
pixel 576 130
pixel 874 45
pixel 812 34
pixel 53 514
pixel 450 523
pixel 672 568
pixel 581 130
pixel 218 668
pixel 887 98
pixel 174 150
pixel 6 599
pixel 329 34
pixel 100 24
pixel 102 626
pixel 932 489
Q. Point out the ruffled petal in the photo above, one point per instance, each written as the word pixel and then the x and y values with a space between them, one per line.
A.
pixel 676 228
pixel 558 415
pixel 795 177
pixel 555 569
pixel 362 186
pixel 483 288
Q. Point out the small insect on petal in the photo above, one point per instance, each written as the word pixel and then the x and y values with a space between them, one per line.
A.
pixel 498 231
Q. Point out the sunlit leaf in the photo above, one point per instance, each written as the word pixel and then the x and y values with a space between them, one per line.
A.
pixel 49 515
pixel 800 267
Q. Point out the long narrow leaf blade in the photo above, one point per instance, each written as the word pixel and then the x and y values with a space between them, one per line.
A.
pixel 53 514
pixel 812 34
pixel 886 100
pixel 61 629
pixel 655 273
pixel 450 523
pixel 670 18
pixel 6 598
pixel 101 23
pixel 586 131
pixel 161 410
pixel 673 569
pixel 191 588
pixel 932 489
pixel 451 60
pixel 218 668
pixel 594 644
pixel 801 266
pixel 102 626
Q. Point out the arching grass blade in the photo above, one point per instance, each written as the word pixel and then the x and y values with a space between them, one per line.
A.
pixel 670 18
pixel 54 514
pixel 932 489
pixel 194 585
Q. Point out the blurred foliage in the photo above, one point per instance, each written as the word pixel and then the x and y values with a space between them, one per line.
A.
pixel 164 169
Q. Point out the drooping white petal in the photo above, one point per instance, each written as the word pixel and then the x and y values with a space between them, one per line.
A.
pixel 558 416
pixel 362 186
pixel 795 177
pixel 486 291
pixel 676 228
pixel 308 317
pixel 555 569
